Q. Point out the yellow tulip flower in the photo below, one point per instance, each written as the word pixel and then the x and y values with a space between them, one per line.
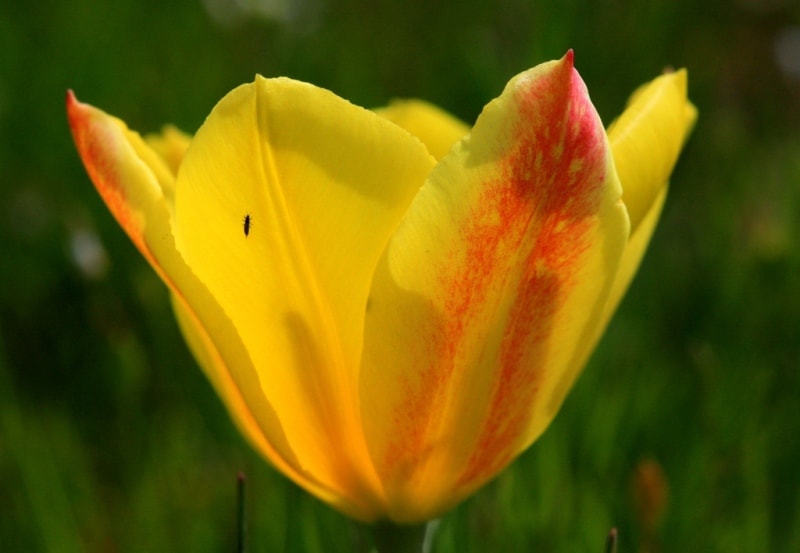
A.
pixel 392 305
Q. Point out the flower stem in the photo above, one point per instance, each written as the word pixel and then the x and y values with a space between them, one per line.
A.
pixel 611 541
pixel 393 538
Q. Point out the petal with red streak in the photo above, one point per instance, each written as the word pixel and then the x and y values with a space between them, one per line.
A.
pixel 499 270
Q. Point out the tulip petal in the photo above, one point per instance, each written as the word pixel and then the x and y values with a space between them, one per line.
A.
pixel 498 272
pixel 634 251
pixel 285 200
pixel 240 392
pixel 136 186
pixel 171 145
pixel 437 129
pixel 647 138
pixel 645 142
pixel 131 178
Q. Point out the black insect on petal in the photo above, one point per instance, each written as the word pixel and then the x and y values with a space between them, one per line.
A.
pixel 248 222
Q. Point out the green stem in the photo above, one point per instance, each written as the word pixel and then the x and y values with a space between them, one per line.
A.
pixel 611 541
pixel 392 538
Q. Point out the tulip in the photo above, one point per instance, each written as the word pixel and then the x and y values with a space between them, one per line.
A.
pixel 392 305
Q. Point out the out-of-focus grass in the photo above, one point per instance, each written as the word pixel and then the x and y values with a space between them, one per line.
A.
pixel 111 439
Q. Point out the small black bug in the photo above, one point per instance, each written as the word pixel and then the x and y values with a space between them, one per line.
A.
pixel 248 221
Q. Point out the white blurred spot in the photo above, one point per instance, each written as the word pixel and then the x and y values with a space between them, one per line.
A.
pixel 88 253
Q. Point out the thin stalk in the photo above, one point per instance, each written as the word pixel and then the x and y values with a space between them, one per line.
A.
pixel 393 538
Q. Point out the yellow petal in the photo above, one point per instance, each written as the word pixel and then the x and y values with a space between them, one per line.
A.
pixel 645 142
pixel 131 178
pixel 634 251
pixel 437 129
pixel 647 138
pixel 133 181
pixel 239 390
pixel 285 200
pixel 499 271
pixel 171 145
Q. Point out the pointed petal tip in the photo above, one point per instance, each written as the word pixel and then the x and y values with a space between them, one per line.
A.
pixel 679 80
pixel 72 104
pixel 564 68
pixel 677 76
pixel 670 70
pixel 77 111
pixel 565 65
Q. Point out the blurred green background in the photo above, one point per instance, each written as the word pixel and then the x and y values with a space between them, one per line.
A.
pixel 684 430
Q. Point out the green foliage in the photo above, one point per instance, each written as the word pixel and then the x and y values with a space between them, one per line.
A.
pixel 112 440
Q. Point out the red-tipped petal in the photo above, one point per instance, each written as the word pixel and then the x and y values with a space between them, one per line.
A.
pixel 488 291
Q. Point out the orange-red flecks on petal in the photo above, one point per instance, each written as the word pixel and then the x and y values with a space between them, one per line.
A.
pixel 561 171
pixel 103 155
pixel 500 267
pixel 133 180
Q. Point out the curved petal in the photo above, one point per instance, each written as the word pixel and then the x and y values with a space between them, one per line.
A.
pixel 133 181
pixel 171 145
pixel 634 251
pixel 285 200
pixel 437 129
pixel 647 138
pixel 498 272
pixel 239 390
pixel 645 142
pixel 130 177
